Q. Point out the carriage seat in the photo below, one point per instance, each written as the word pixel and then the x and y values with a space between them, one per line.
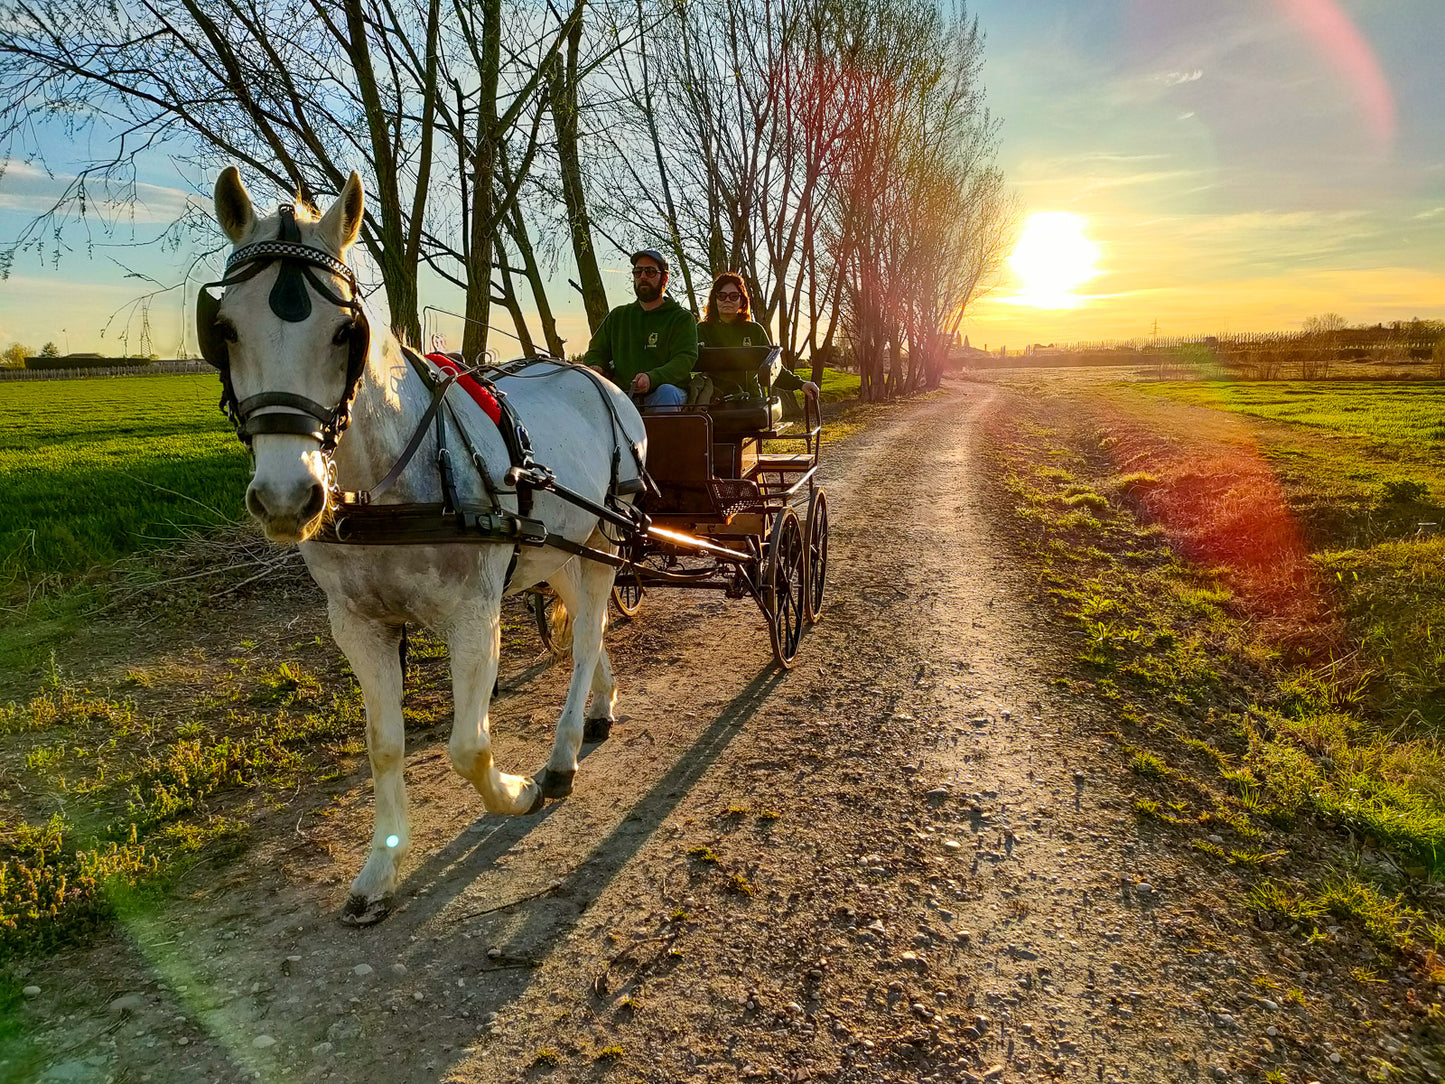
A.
pixel 735 417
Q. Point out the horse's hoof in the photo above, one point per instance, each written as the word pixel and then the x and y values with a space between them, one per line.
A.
pixel 537 802
pixel 595 730
pixel 554 784
pixel 359 911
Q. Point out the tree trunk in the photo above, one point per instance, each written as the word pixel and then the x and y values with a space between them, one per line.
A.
pixel 514 306
pixel 517 230
pixel 398 275
pixel 483 162
pixel 563 89
pixel 650 114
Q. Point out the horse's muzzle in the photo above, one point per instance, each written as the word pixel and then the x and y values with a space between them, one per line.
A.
pixel 286 516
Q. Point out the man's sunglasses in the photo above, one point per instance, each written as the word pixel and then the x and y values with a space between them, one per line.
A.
pixel 731 295
pixel 645 272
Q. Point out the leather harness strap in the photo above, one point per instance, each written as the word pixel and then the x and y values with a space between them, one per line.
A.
pixel 439 391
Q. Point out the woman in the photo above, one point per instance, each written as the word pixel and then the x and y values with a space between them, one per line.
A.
pixel 727 321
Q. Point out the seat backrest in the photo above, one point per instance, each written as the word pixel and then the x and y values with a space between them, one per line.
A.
pixel 679 458
pixel 746 417
pixel 737 363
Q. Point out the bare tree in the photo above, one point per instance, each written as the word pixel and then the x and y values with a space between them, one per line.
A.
pixel 298 98
pixel 1320 345
pixel 805 144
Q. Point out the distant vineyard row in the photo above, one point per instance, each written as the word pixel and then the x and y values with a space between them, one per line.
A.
pixel 67 368
pixel 1311 354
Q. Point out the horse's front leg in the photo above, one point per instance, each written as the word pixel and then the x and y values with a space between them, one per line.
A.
pixel 372 649
pixel 590 585
pixel 474 642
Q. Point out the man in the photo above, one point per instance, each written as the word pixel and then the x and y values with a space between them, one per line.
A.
pixel 648 347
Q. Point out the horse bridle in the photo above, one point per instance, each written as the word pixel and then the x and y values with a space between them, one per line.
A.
pixel 290 300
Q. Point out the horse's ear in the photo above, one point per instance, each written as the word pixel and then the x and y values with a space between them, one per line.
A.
pixel 341 224
pixel 233 206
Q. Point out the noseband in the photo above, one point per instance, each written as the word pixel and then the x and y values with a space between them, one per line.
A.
pixel 290 301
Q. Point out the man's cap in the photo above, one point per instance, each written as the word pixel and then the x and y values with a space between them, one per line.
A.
pixel 653 255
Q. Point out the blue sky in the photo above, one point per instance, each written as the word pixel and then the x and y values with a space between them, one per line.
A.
pixel 1234 165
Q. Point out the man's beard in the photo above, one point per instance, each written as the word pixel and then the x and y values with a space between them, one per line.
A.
pixel 647 290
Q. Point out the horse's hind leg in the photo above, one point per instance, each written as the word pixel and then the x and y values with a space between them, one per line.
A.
pixel 591 584
pixel 598 725
pixel 475 641
pixel 371 648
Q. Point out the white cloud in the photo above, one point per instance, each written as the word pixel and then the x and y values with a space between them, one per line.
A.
pixel 1174 79
pixel 27 189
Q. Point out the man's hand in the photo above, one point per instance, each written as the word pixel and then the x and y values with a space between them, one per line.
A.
pixel 810 390
pixel 641 384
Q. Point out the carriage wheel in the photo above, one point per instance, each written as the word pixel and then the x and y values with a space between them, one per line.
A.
pixel 786 587
pixel 627 594
pixel 554 623
pixel 816 534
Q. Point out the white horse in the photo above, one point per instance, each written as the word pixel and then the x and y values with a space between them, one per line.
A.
pixel 293 342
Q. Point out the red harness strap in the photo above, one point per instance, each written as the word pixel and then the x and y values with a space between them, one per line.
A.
pixel 485 399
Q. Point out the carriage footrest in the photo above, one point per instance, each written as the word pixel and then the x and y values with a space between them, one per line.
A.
pixel 734 495
pixel 788 462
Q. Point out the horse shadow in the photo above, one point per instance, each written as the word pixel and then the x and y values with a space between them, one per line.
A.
pixel 448 870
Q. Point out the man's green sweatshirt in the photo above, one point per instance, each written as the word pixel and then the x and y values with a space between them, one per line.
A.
pixel 661 343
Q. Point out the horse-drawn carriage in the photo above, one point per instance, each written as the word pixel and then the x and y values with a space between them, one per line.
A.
pixel 735 505
pixel 413 502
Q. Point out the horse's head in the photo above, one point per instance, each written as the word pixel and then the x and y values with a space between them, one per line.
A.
pixel 291 339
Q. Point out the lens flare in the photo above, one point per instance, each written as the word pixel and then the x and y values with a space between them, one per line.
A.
pixel 1340 41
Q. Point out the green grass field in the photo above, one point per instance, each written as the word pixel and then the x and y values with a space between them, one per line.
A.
pixel 96 469
pixel 93 470
pixel 1405 412
pixel 1257 577
pixel 836 387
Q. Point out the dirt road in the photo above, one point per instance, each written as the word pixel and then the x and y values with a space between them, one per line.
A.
pixel 912 858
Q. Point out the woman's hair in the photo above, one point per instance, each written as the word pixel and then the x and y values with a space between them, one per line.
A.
pixel 727 278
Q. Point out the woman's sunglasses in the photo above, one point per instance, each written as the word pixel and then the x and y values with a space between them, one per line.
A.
pixel 731 295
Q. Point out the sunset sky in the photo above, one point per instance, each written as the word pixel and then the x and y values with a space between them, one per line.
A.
pixel 1237 165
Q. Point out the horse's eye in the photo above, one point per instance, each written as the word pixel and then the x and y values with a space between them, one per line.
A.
pixel 226 330
pixel 343 334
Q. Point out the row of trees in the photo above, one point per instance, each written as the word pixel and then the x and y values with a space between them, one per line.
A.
pixel 836 152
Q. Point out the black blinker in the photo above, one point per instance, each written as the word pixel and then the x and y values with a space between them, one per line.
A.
pixel 208 336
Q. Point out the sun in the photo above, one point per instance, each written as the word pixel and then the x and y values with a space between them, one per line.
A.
pixel 1053 257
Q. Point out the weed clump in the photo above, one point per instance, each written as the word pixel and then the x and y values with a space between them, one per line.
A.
pixel 139 803
pixel 1403 491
